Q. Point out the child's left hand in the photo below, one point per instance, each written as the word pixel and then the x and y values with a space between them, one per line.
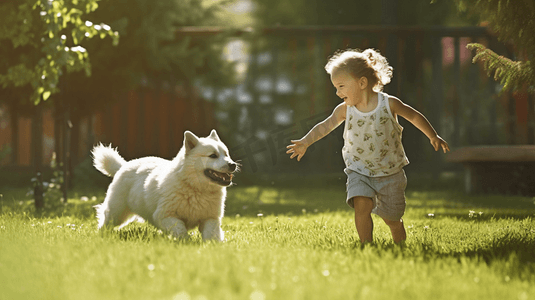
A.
pixel 437 142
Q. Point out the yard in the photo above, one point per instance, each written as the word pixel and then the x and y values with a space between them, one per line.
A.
pixel 282 242
pixel 255 70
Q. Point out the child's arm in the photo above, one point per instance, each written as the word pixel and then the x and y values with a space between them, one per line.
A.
pixel 299 147
pixel 417 119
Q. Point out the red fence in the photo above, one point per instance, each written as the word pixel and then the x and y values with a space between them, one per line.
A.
pixel 140 123
pixel 150 123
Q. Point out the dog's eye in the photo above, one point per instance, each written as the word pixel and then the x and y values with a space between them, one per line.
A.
pixel 213 156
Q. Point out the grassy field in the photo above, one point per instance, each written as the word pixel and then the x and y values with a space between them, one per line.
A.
pixel 281 243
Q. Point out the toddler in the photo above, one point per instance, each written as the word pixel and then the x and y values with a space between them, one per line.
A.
pixel 372 152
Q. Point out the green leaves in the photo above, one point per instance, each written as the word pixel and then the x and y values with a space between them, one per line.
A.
pixel 51 33
pixel 512 22
pixel 511 74
pixel 46 95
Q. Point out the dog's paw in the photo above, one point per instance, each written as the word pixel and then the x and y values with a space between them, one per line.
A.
pixel 176 227
pixel 215 238
pixel 212 231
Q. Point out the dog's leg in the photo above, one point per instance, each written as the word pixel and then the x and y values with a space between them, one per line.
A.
pixel 114 210
pixel 211 230
pixel 111 216
pixel 175 226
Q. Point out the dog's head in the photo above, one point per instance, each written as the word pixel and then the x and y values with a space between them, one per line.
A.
pixel 211 157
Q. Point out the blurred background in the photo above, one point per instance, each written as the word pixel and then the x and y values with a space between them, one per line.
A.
pixel 254 71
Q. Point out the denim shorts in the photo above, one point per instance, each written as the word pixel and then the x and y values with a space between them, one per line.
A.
pixel 387 193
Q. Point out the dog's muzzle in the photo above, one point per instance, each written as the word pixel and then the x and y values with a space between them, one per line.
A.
pixel 224 179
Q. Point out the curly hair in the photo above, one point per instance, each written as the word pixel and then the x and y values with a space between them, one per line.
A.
pixel 368 63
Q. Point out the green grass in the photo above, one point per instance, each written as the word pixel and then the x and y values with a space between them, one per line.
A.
pixel 281 243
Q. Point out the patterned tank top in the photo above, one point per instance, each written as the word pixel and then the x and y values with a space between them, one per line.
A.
pixel 372 141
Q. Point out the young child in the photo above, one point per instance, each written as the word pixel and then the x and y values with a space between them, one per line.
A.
pixel 373 152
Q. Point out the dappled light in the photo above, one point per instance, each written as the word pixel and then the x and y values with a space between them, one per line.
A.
pixel 412 125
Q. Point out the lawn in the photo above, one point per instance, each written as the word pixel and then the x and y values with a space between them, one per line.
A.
pixel 282 242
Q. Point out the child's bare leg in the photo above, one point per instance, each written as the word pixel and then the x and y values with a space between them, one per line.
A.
pixel 363 218
pixel 398 230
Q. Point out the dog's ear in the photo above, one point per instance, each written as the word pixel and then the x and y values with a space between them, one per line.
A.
pixel 190 140
pixel 213 135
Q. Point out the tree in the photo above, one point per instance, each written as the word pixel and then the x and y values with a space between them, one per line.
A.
pixel 514 23
pixel 42 39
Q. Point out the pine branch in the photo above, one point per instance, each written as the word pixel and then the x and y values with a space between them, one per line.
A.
pixel 511 74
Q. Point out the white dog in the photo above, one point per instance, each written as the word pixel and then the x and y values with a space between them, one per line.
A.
pixel 176 195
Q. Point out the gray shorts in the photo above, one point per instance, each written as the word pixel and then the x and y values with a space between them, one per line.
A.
pixel 387 193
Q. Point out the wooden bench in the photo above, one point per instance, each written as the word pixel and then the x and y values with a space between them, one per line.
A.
pixel 497 169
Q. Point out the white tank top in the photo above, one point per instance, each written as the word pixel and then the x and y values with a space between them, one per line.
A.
pixel 372 141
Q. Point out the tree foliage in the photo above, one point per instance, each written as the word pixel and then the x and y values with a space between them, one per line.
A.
pixel 40 40
pixel 514 23
pixel 511 74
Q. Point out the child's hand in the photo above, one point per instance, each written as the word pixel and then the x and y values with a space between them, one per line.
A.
pixel 297 148
pixel 438 142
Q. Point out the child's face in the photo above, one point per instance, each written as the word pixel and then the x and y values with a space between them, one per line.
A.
pixel 347 87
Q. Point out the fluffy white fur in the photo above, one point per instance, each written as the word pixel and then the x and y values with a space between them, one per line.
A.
pixel 174 195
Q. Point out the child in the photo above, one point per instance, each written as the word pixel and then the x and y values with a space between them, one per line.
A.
pixel 373 152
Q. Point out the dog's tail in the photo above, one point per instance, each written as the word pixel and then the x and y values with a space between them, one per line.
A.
pixel 106 159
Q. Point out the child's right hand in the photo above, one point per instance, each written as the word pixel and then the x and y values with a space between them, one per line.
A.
pixel 297 148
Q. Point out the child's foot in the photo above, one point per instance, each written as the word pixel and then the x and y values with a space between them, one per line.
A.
pixel 362 245
pixel 402 244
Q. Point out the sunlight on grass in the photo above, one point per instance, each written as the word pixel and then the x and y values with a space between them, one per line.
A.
pixel 280 244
